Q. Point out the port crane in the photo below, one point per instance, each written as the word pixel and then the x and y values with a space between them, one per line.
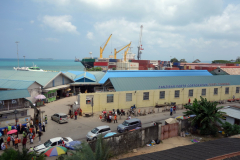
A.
pixel 102 49
pixel 125 53
pixel 115 50
pixel 140 44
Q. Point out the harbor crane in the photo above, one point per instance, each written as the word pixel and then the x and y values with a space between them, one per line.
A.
pixel 115 51
pixel 140 44
pixel 125 53
pixel 102 49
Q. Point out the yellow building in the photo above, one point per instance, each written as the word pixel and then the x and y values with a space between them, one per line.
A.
pixel 149 91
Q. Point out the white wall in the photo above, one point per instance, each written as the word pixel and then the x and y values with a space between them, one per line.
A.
pixel 59 81
pixel 230 120
pixel 34 90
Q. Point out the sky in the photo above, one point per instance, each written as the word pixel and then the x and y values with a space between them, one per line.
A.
pixel 65 29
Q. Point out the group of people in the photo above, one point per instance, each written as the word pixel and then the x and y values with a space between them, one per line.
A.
pixel 76 112
pixel 173 109
pixel 109 116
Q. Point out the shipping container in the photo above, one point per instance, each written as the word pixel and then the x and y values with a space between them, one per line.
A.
pixel 112 66
pixel 100 63
pixel 230 64
pixel 112 63
pixel 103 60
pixel 112 60
pixel 176 63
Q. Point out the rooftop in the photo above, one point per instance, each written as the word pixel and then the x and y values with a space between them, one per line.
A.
pixel 153 73
pixel 232 112
pixel 14 94
pixel 15 84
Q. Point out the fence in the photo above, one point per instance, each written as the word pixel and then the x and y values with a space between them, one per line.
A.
pixel 169 131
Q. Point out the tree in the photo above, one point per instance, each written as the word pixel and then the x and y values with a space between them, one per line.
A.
pixel 207 114
pixel 231 129
pixel 12 154
pixel 94 69
pixel 237 59
pixel 183 61
pixel 84 152
pixel 113 68
pixel 174 60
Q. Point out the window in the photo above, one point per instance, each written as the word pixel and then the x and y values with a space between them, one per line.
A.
pixel 128 97
pixel 145 95
pixel 215 91
pixel 54 144
pixel 190 93
pixel 203 92
pixel 162 95
pixel 109 98
pixel 177 93
pixel 237 89
pixel 227 90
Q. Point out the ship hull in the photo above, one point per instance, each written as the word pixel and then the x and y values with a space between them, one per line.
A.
pixel 87 64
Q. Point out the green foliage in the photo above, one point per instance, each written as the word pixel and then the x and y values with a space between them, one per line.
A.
pixel 12 154
pixel 207 114
pixel 94 69
pixel 230 129
pixel 113 68
pixel 84 152
pixel 174 60
pixel 183 61
pixel 221 61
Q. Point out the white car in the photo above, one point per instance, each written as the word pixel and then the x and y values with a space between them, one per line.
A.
pixel 50 143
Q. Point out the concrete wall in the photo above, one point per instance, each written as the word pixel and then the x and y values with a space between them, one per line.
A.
pixel 125 142
pixel 34 90
pixel 100 99
pixel 230 120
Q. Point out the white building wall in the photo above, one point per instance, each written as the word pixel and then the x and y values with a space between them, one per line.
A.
pixel 59 81
pixel 34 90
pixel 230 120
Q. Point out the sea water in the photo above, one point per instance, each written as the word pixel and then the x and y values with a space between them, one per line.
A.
pixel 45 64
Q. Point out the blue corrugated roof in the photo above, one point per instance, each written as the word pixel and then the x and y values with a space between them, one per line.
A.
pixel 13 94
pixel 154 73
pixel 15 84
pixel 81 75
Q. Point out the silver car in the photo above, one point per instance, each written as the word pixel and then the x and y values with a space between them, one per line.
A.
pixel 101 130
pixel 60 117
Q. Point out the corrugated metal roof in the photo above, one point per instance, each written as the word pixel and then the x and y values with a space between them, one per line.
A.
pixel 154 73
pixel 151 83
pixel 232 112
pixel 14 94
pixel 85 75
pixel 42 78
pixel 95 76
pixel 15 84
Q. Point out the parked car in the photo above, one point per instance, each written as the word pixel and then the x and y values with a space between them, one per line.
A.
pixel 50 143
pixel 60 118
pixel 101 130
pixel 128 125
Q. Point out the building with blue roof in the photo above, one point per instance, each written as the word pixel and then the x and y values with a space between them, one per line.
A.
pixel 153 73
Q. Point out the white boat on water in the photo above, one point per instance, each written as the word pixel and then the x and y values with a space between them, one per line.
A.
pixel 33 68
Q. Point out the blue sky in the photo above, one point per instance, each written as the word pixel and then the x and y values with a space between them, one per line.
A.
pixel 63 29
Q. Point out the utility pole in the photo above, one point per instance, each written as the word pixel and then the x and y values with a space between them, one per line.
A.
pixel 24 61
pixel 17 52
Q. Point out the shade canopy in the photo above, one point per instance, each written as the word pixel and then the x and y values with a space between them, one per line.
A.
pixel 171 120
pixel 73 145
pixel 40 96
pixel 55 151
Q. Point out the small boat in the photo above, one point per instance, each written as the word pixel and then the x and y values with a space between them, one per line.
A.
pixel 33 68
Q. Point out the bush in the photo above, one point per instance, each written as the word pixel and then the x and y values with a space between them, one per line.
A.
pixel 230 129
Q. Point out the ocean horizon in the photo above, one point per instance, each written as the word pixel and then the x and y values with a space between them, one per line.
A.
pixel 45 64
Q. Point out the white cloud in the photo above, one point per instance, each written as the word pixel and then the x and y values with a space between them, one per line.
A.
pixel 90 35
pixel 31 21
pixel 52 39
pixel 60 23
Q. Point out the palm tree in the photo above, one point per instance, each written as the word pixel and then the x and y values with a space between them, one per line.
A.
pixel 207 114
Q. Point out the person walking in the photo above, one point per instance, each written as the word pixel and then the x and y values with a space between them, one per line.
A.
pixel 75 113
pixel 8 140
pixel 43 126
pixel 36 127
pixel 39 135
pixel 16 142
pixel 189 101
pixel 12 139
pixel 3 146
pixel 174 109
pixel 39 126
pixel 46 119
pixel 171 110
pixel 31 123
pixel 28 125
pixel 31 138
pixel 115 118
pixel 24 142
pixel 110 118
pixel 233 97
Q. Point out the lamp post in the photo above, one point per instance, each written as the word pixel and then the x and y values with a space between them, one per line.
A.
pixel 15 112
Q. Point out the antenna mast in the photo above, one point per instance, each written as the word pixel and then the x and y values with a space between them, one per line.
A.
pixel 17 52
pixel 140 44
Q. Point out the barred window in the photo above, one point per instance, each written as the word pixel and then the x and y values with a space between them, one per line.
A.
pixel 128 97
pixel 177 93
pixel 162 95
pixel 190 93
pixel 203 92
pixel 145 95
pixel 227 90
pixel 215 91
pixel 237 89
pixel 109 98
